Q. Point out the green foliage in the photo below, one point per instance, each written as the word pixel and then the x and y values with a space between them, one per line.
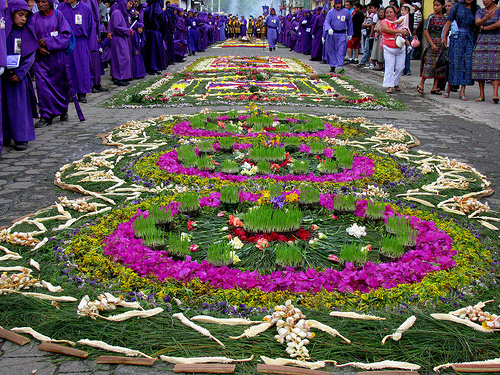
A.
pixel 309 195
pixel 329 166
pixel 317 148
pixel 300 167
pixel 395 223
pixel 345 202
pixel 206 163
pixel 189 201
pixel 288 255
pixel 270 154
pixel 142 226
pixel 392 247
pixel 229 166
pixel 344 157
pixel 264 167
pixel 352 253
pixel 266 219
pixel 375 210
pixel 226 143
pixel 160 215
pixel 178 244
pixel 206 146
pixel 230 194
pixel 220 254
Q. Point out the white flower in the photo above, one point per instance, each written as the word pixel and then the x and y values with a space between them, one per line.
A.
pixel 223 229
pixel 185 236
pixel 356 231
pixel 236 243
pixel 322 236
pixel 235 257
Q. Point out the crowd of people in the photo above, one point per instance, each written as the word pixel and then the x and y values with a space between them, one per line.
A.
pixel 65 47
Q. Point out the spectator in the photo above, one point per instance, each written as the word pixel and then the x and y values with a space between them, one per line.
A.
pixel 394 54
pixel 367 37
pixel 486 55
pixel 138 45
pixel 17 119
pixel 354 43
pixel 417 29
pixel 53 34
pixel 460 52
pixel 432 30
pixel 377 55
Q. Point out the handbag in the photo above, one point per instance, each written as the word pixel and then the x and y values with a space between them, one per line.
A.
pixel 415 42
pixel 444 58
pixel 400 41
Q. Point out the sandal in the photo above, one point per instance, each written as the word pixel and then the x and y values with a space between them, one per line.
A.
pixel 495 100
pixel 436 92
pixel 446 95
pixel 420 90
pixel 389 90
pixel 479 99
pixel 463 97
pixel 397 88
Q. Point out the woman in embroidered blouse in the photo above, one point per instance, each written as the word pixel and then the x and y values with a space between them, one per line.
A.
pixel 432 31
pixel 486 55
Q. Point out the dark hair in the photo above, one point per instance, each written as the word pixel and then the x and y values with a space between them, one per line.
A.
pixel 391 7
pixel 357 5
pixel 394 3
pixel 442 2
pixel 348 1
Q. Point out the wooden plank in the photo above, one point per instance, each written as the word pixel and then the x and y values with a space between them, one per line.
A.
pixel 388 372
pixel 207 368
pixel 288 370
pixel 114 360
pixel 61 349
pixel 14 337
pixel 476 367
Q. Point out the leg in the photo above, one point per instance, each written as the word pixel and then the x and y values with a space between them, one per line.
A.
pixel 462 93
pixel 481 92
pixel 495 91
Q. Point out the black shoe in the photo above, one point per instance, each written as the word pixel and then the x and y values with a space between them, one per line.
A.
pixel 44 122
pixel 121 83
pixel 332 69
pixel 100 88
pixel 21 146
pixel 194 53
pixel 322 62
pixel 64 117
pixel 82 98
pixel 94 90
pixel 7 142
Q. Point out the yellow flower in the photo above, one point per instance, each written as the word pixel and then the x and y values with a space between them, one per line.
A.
pixel 290 198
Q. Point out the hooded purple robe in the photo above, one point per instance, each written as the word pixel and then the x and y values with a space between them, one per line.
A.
pixel 3 57
pixel 243 27
pixel 317 33
pixel 193 35
pixel 81 20
pixel 307 23
pixel 121 45
pixel 51 78
pixel 138 45
pixel 17 119
pixel 155 23
pixel 273 24
pixel 336 44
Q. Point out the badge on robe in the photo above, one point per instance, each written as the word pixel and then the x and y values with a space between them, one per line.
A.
pixel 17 46
pixel 342 18
pixel 2 23
pixel 54 33
pixel 78 19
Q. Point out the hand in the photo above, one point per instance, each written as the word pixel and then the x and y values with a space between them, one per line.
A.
pixel 44 51
pixel 330 31
pixel 42 43
pixel 109 36
pixel 131 32
pixel 2 69
pixel 323 40
pixel 489 15
pixel 349 37
pixel 434 47
pixel 444 41
pixel 312 36
pixel 14 78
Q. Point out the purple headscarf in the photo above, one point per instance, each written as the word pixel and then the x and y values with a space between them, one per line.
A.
pixel 29 43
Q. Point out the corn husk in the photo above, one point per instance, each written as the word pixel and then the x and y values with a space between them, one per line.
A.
pixel 353 315
pixel 253 331
pixel 495 361
pixel 40 244
pixel 39 336
pixel 382 365
pixel 116 349
pixel 196 327
pixel 228 322
pixel 51 288
pixel 456 319
pixel 197 360
pixel 35 264
pixel 327 329
pixel 396 336
pixel 133 314
pixel 45 297
pixel 292 362
pixel 14 269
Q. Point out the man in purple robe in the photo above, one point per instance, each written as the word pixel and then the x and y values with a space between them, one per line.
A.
pixel 307 23
pixel 3 57
pixel 243 27
pixel 316 34
pixel 193 35
pixel 53 34
pixel 121 45
pixel 81 20
pixel 338 27
pixel 20 41
pixel 272 24
pixel 155 23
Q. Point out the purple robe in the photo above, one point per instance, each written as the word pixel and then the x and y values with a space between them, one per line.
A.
pixel 317 32
pixel 243 27
pixel 51 71
pixel 155 23
pixel 203 28
pixel 3 57
pixel 273 24
pixel 179 50
pixel 306 33
pixel 95 59
pixel 193 35
pixel 17 120
pixel 121 45
pixel 182 32
pixel 86 41
pixel 138 45
pixel 336 45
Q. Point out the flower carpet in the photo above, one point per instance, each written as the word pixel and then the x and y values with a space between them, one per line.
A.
pixel 264 80
pixel 261 215
pixel 244 42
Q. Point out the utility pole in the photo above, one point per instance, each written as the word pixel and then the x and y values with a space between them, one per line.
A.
pixel 218 7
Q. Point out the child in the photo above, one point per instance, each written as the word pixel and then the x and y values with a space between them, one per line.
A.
pixel 138 45
pixel 17 119
pixel 403 23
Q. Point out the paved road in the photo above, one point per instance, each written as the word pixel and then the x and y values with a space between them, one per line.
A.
pixel 467 131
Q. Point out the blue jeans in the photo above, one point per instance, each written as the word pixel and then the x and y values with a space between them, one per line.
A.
pixel 367 52
pixel 408 59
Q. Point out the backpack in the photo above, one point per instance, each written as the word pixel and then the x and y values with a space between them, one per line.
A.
pixel 72 39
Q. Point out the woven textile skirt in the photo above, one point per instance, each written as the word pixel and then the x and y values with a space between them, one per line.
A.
pixel 428 65
pixel 486 57
pixel 460 68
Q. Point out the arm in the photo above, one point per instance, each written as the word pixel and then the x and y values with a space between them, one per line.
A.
pixel 24 66
pixel 386 29
pixel 61 41
pixel 446 29
pixel 488 16
pixel 350 30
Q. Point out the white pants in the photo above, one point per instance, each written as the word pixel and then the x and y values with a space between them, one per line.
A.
pixel 394 65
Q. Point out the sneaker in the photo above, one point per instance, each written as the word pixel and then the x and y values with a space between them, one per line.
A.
pixel 43 122
pixel 354 61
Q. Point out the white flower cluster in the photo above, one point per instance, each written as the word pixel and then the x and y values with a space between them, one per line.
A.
pixel 18 238
pixel 292 328
pixel 249 169
pixel 425 168
pixel 454 164
pixel 374 191
pixel 79 205
pixel 468 205
pixel 396 147
pixel 356 231
pixel 154 86
pixel 104 302
pixel 387 131
pixel 236 243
